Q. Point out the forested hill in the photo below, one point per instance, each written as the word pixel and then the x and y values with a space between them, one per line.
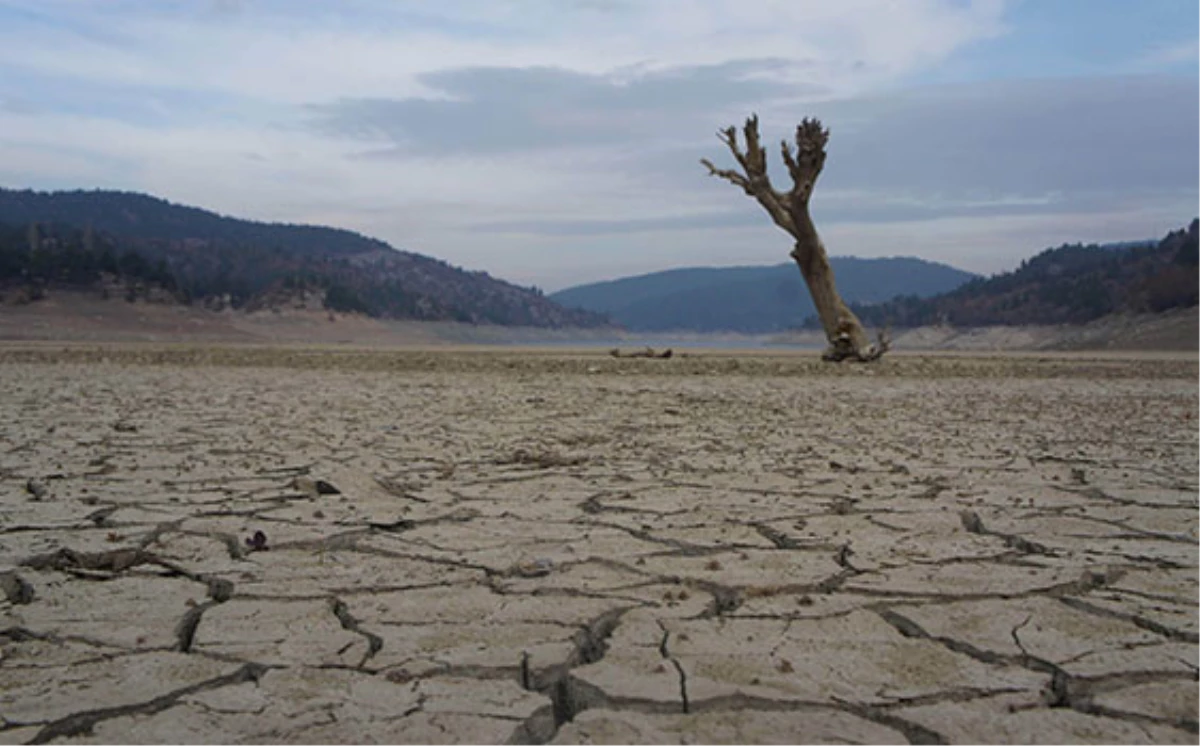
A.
pixel 1071 284
pixel 134 216
pixel 751 299
pixel 208 257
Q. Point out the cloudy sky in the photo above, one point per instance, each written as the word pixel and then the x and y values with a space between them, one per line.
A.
pixel 554 142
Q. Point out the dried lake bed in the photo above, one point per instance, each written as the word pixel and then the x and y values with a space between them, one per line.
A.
pixel 286 544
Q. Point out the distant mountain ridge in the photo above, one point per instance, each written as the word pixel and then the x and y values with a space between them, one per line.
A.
pixel 751 299
pixel 244 262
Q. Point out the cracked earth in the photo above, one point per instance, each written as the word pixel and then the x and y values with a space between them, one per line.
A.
pixel 271 545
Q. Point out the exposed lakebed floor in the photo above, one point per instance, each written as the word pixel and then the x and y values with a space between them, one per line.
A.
pixel 285 545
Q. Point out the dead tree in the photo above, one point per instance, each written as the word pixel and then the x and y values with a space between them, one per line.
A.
pixel 847 339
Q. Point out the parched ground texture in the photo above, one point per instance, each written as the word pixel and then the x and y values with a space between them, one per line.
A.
pixel 537 547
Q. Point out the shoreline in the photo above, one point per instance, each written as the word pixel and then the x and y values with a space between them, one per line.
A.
pixel 81 318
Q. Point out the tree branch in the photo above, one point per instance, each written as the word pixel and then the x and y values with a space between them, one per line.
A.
pixel 808 161
pixel 729 175
pixel 753 179
pixel 729 137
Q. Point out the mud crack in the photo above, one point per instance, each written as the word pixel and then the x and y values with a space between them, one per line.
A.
pixel 569 696
pixel 664 650
pixel 82 723
pixel 351 624
pixel 974 524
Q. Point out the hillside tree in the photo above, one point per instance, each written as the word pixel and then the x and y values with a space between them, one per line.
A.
pixel 789 210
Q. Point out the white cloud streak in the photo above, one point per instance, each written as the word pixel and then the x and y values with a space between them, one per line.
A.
pixel 1172 54
pixel 274 51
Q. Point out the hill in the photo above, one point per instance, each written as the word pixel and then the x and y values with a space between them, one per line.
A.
pixel 218 260
pixel 1071 284
pixel 750 299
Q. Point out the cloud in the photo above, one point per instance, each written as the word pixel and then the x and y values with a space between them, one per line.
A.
pixel 503 109
pixel 304 52
pixel 555 142
pixel 1114 134
pixel 993 148
pixel 593 227
pixel 1166 55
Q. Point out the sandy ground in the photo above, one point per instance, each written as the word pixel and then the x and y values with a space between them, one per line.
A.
pixel 482 546
pixel 1174 330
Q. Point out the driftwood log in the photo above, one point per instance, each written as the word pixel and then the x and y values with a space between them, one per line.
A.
pixel 647 353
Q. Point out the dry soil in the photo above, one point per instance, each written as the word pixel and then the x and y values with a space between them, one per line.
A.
pixel 247 545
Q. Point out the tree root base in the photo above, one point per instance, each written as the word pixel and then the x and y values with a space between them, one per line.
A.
pixel 843 349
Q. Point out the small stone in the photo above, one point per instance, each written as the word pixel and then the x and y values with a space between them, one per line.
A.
pixel 258 542
pixel 125 427
pixel 325 488
pixel 971 521
pixel 220 590
pixel 15 588
pixel 534 568
pixel 35 488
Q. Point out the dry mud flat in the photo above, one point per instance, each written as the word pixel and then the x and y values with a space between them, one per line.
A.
pixel 272 545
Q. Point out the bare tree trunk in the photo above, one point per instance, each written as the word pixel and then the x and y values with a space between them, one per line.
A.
pixel 847 338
